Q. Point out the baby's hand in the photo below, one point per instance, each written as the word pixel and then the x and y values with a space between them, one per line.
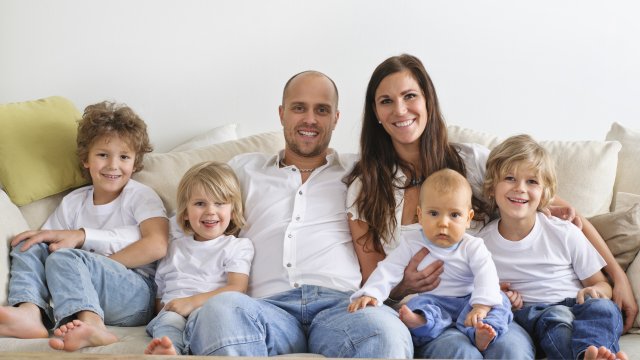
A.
pixel 182 306
pixel 476 314
pixel 361 303
pixel 590 291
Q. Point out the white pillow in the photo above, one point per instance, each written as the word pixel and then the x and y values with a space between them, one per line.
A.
pixel 586 170
pixel 628 178
pixel 214 136
pixel 11 224
pixel 163 172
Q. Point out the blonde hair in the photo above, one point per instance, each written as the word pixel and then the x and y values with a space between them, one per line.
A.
pixel 514 152
pixel 445 181
pixel 220 183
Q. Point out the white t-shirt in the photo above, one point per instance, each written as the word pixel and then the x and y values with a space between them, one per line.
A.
pixel 110 227
pixel 468 269
pixel 548 264
pixel 475 158
pixel 300 231
pixel 194 267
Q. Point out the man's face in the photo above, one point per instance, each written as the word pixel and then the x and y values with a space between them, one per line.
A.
pixel 309 114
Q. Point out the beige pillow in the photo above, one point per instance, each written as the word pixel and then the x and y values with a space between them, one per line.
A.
pixel 458 134
pixel 625 201
pixel 621 231
pixel 214 136
pixel 163 172
pixel 628 178
pixel 11 224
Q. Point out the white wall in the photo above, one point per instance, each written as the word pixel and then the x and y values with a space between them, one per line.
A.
pixel 555 69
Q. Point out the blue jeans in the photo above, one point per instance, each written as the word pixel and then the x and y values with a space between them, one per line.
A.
pixel 564 330
pixel 306 319
pixel 442 312
pixel 172 325
pixel 76 280
pixel 515 343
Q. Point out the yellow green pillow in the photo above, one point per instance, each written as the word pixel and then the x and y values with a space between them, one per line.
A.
pixel 38 149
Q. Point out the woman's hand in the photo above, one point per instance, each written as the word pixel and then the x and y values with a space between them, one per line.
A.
pixel 623 297
pixel 415 281
pixel 564 212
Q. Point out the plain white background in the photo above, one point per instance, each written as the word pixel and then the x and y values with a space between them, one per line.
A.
pixel 554 69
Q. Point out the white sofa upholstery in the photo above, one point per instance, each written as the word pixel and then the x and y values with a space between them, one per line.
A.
pixel 577 162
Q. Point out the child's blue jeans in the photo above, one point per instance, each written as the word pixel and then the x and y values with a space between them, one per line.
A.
pixel 441 312
pixel 172 325
pixel 564 330
pixel 76 280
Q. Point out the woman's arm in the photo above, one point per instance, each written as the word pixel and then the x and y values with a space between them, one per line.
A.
pixel 622 294
pixel 368 258
pixel 152 245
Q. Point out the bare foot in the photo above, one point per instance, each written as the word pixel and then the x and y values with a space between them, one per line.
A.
pixel 77 335
pixel 411 319
pixel 484 334
pixel 24 322
pixel 602 353
pixel 162 346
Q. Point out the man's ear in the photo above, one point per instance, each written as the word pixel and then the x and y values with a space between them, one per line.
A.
pixel 281 114
pixel 336 121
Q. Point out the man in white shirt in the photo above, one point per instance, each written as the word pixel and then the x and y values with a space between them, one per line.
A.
pixel 305 267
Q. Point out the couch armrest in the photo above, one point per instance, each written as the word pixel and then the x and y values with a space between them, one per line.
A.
pixel 11 223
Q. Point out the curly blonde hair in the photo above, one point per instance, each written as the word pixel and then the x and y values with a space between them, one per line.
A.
pixel 112 119
pixel 516 151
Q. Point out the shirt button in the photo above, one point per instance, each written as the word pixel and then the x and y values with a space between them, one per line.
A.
pixel 300 192
pixel 295 285
pixel 293 169
pixel 297 218
pixel 289 236
pixel 288 264
pixel 91 250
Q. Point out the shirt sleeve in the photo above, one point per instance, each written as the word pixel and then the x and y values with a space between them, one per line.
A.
pixel 239 259
pixel 486 284
pixel 146 204
pixel 109 241
pixel 352 194
pixel 585 259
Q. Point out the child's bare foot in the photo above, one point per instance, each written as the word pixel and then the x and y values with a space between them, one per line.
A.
pixel 24 322
pixel 77 335
pixel 162 346
pixel 411 319
pixel 484 334
pixel 602 353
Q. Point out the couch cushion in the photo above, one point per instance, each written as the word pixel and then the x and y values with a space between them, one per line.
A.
pixel 621 231
pixel 38 149
pixel 628 161
pixel 586 170
pixel 11 223
pixel 214 136
pixel 163 172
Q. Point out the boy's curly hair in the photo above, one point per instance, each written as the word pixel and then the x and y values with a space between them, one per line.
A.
pixel 110 118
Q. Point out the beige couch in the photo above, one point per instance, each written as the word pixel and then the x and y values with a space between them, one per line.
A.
pixel 587 172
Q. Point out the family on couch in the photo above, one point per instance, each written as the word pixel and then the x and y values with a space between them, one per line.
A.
pixel 309 257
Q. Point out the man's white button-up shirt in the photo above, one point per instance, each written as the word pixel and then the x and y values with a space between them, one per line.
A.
pixel 300 231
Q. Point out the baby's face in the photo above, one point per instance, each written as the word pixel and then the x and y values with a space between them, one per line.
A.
pixel 445 216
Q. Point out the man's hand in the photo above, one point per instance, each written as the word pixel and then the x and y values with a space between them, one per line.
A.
pixel 514 297
pixel 415 281
pixel 57 239
pixel 361 303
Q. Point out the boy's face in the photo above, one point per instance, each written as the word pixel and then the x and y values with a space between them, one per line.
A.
pixel 445 216
pixel 207 218
pixel 518 194
pixel 110 162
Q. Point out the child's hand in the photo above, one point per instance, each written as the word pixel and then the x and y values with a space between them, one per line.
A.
pixel 476 314
pixel 590 291
pixel 361 303
pixel 182 306
pixel 57 239
pixel 514 297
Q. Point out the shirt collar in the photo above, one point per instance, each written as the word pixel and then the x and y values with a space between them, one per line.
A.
pixel 333 158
